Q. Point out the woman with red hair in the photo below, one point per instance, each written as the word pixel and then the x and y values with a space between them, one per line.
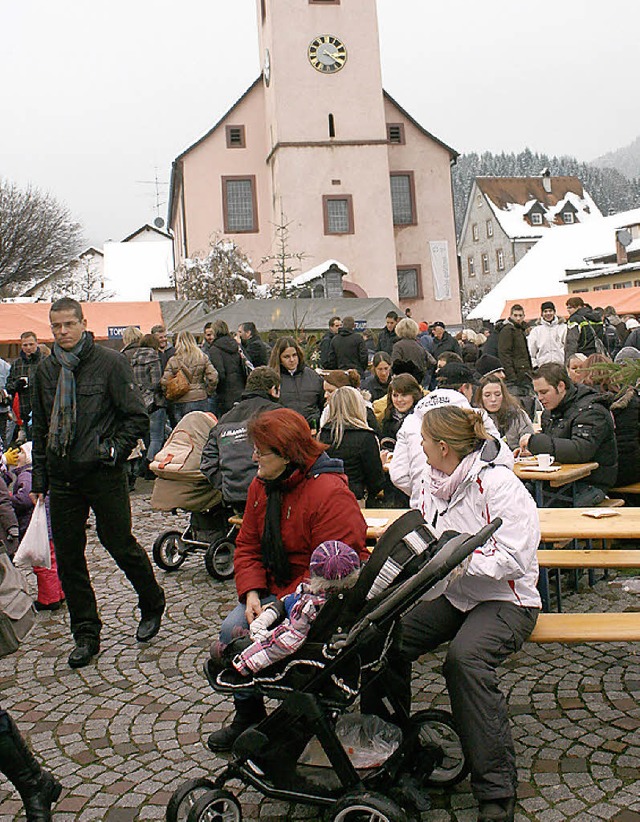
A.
pixel 299 499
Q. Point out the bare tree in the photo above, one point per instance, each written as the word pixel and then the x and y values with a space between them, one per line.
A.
pixel 82 280
pixel 37 236
pixel 281 265
pixel 221 277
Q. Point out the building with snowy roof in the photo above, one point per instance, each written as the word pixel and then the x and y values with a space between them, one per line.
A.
pixel 317 144
pixel 581 258
pixel 506 217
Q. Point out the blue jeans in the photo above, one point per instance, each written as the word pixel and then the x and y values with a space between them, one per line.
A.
pixel 237 619
pixel 182 408
pixel 157 422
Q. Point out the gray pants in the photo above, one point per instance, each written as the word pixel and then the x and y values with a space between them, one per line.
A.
pixel 479 641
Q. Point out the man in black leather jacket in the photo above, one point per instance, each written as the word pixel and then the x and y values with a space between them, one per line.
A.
pixel 87 416
pixel 577 427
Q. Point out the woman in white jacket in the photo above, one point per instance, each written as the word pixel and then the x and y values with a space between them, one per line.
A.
pixel 490 604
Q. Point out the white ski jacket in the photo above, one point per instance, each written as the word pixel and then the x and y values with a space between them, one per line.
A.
pixel 546 342
pixel 506 567
pixel 409 463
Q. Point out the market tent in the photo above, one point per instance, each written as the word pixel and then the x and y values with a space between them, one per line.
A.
pixel 104 319
pixel 286 315
pixel 624 300
pixel 182 314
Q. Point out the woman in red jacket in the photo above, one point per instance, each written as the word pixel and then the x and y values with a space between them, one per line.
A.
pixel 299 499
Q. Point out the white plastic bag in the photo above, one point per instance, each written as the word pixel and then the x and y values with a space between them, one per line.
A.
pixel 34 549
pixel 368 740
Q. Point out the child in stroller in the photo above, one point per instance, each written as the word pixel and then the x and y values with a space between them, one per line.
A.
pixel 349 639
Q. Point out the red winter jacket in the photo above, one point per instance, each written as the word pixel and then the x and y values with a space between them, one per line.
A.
pixel 316 506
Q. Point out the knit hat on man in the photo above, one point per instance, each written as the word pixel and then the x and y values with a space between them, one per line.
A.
pixel 487 364
pixel 454 373
pixel 547 304
pixel 333 560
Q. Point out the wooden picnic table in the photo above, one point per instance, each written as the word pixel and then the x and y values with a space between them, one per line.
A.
pixel 570 523
pixel 378 520
pixel 556 479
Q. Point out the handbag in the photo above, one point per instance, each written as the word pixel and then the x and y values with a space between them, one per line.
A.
pixel 34 548
pixel 177 386
pixel 17 614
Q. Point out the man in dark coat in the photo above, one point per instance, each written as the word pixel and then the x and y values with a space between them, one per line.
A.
pixel 20 379
pixel 388 337
pixel 224 353
pixel 88 415
pixel 443 341
pixel 325 342
pixel 348 349
pixel 513 353
pixel 577 427
pixel 227 458
pixel 584 330
pixel 255 350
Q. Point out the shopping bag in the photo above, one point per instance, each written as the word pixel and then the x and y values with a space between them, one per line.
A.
pixel 34 549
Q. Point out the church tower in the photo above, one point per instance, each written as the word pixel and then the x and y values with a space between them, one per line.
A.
pixel 327 136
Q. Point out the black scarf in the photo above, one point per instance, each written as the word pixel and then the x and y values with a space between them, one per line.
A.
pixel 274 554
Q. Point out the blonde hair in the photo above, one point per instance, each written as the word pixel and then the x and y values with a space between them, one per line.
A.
pixel 187 348
pixel 407 328
pixel 461 428
pixel 347 409
pixel 131 334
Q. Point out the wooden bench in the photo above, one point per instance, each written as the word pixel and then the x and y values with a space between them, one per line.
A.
pixel 628 489
pixel 591 627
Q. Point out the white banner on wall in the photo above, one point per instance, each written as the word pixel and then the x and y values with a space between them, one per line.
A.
pixel 440 269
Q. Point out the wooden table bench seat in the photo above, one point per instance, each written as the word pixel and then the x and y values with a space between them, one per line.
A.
pixel 600 627
pixel 634 488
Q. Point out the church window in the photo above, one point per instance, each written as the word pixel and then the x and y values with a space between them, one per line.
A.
pixel 403 198
pixel 409 283
pixel 395 133
pixel 239 204
pixel 236 137
pixel 338 214
pixel 332 126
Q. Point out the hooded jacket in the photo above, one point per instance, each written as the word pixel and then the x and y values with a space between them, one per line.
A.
pixel 360 454
pixel 625 407
pixel 584 334
pixel 256 350
pixel 227 361
pixel 348 350
pixel 506 567
pixel 578 430
pixel 409 464
pixel 227 457
pixel 546 342
pixel 513 352
pixel 317 505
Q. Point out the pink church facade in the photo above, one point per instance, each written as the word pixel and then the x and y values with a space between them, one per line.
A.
pixel 317 143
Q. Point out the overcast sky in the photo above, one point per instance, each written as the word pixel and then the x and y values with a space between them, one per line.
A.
pixel 97 97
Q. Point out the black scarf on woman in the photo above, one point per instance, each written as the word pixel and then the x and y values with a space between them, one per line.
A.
pixel 274 554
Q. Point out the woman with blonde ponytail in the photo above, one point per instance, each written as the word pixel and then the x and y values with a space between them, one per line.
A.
pixel 487 608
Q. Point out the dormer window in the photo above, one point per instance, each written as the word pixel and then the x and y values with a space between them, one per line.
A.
pixel 567 218
pixel 536 218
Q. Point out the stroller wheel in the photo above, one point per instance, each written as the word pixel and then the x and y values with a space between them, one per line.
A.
pixel 167 552
pixel 367 806
pixel 437 728
pixel 218 559
pixel 216 806
pixel 185 797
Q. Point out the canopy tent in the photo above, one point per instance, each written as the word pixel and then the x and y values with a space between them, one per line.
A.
pixel 103 319
pixel 624 300
pixel 182 314
pixel 286 315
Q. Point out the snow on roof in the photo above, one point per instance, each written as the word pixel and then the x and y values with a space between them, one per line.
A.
pixel 316 272
pixel 511 199
pixel 132 269
pixel 542 270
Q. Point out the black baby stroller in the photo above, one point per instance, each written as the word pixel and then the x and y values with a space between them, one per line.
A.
pixel 181 485
pixel 349 640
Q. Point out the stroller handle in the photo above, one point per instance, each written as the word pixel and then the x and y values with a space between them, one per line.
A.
pixel 402 598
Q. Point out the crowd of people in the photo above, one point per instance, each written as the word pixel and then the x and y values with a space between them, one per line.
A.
pixel 308 433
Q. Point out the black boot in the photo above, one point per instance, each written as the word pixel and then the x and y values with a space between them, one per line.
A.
pixel 248 712
pixel 38 788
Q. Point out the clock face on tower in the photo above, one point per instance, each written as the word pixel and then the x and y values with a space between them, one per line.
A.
pixel 327 54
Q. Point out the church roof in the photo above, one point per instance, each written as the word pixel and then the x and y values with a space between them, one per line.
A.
pixel 454 154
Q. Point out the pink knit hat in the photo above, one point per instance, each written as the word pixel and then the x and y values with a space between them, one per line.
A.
pixel 333 560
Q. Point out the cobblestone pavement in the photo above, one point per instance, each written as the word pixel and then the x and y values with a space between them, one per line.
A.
pixel 123 733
